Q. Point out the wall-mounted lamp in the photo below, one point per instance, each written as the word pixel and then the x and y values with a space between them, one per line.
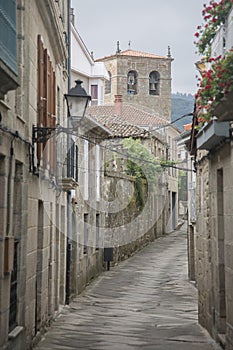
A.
pixel 77 100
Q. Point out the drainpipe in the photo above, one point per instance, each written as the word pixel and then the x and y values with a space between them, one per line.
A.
pixel 69 204
pixel 9 188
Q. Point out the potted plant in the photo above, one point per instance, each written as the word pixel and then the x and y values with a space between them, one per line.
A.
pixel 215 94
pixel 214 16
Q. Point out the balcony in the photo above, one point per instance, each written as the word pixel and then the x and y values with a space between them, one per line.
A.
pixel 224 110
pixel 212 134
pixel 67 184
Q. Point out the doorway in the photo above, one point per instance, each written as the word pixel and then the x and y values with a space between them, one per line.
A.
pixel 173 210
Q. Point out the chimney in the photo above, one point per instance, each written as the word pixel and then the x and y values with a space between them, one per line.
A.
pixel 118 104
pixel 72 16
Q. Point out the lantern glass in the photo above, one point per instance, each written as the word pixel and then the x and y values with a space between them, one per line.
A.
pixel 77 101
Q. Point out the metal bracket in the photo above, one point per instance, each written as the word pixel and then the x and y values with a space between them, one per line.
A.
pixel 41 134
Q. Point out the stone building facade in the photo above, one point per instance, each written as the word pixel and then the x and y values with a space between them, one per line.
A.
pixel 212 150
pixel 137 208
pixel 141 78
pixel 87 219
pixel 33 206
pixel 139 90
pixel 139 117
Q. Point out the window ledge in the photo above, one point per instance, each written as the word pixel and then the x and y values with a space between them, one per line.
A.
pixel 8 79
pixel 68 183
pixel 4 104
pixel 15 333
pixel 21 119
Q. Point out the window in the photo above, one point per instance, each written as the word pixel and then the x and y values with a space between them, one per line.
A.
pixel 94 95
pixel 73 161
pixel 8 44
pixel 97 158
pixel 46 104
pixel 13 291
pixel 132 82
pixel 108 84
pixel 86 170
pixel 58 106
pixel 85 233
pixel 97 224
pixel 154 79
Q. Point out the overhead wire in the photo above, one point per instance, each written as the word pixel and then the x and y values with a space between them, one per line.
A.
pixel 128 156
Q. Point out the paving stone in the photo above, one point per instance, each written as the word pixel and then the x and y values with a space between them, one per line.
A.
pixel 145 302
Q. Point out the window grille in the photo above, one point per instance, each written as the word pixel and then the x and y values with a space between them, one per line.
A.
pixel 13 291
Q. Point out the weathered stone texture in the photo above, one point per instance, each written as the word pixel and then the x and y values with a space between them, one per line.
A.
pixel 214 246
pixel 130 229
pixel 119 68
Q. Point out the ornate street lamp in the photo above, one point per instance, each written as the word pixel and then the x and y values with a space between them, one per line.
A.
pixel 77 100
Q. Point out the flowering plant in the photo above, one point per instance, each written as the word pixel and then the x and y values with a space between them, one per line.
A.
pixel 216 83
pixel 214 16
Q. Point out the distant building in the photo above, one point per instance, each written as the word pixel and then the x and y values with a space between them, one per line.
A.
pixel 93 74
pixel 145 211
pixel 143 79
pixel 137 116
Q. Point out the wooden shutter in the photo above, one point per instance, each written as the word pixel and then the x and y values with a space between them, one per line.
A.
pixel 40 94
pixel 46 106
pixel 46 121
pixel 53 121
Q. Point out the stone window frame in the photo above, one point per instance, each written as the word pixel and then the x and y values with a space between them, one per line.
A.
pixel 132 82
pixel 108 84
pixel 154 83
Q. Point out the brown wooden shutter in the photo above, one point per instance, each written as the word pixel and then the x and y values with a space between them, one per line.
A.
pixel 53 121
pixel 40 94
pixel 46 106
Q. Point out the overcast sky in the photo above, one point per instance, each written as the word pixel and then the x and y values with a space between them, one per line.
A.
pixel 150 25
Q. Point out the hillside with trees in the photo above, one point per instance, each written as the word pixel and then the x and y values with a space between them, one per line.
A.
pixel 182 104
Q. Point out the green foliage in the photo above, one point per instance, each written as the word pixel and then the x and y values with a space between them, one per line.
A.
pixel 141 164
pixel 214 16
pixel 139 193
pixel 216 83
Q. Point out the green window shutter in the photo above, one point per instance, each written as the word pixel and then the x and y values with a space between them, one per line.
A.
pixel 8 34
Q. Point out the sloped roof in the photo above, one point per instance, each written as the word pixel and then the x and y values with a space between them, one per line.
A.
pixel 133 53
pixel 130 114
pixel 119 127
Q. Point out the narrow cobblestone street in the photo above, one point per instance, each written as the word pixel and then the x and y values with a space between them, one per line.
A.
pixel 144 303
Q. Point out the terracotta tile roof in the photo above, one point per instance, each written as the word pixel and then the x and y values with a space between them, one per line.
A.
pixel 134 54
pixel 130 114
pixel 118 127
pixel 188 126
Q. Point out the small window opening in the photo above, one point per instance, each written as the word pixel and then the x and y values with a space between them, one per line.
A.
pixel 154 79
pixel 132 83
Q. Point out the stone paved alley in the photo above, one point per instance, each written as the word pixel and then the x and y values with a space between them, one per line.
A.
pixel 144 303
